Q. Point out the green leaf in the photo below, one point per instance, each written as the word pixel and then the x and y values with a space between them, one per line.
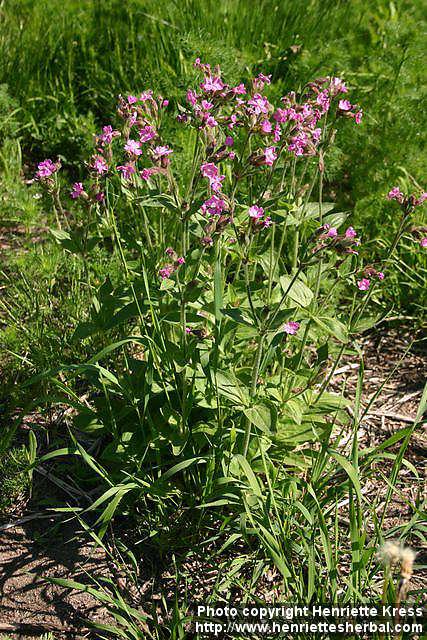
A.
pixel 332 326
pixel 84 330
pixel 239 316
pixel 65 240
pixel 336 219
pixel 228 386
pixel 298 292
pixel 250 476
pixel 181 466
pixel 350 471
pixel 263 416
pixel 311 210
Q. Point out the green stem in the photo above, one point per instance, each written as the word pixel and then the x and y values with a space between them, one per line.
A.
pixel 253 389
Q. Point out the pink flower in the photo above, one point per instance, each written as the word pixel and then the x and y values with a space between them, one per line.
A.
pixel 421 199
pixel 146 95
pixel 338 86
pixel 229 141
pixel 233 121
pixel 133 147
pixel 316 133
pixel 180 260
pixel 423 242
pixel 211 122
pixel 165 272
pixel 298 144
pixel 107 135
pixel 77 191
pixel 395 194
pixel 270 156
pixel 256 212
pixel 239 90
pixel 165 103
pixel 261 80
pixel 380 275
pixel 358 116
pixel 231 155
pixel 170 251
pixel 206 105
pixel 267 222
pixel 210 170
pixel 132 99
pixel 191 97
pixel 266 126
pixel 291 327
pixel 344 105
pixel 161 152
pixel 323 100
pixel 280 115
pixel 147 133
pixel 127 170
pixel 46 168
pixel 212 84
pixel 99 164
pixel 277 133
pixel 364 284
pixel 350 233
pixel 147 173
pixel 214 206
pixel 332 232
pixel 100 196
pixel 259 104
pixel 291 114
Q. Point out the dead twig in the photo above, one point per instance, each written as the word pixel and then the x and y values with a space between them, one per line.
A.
pixel 394 416
pixel 33 516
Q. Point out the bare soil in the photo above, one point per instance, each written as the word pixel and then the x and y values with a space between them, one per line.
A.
pixel 28 604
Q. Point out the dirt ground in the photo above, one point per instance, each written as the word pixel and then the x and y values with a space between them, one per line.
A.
pixel 39 547
pixel 28 603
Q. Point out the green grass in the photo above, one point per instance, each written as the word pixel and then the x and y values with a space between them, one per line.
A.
pixel 15 480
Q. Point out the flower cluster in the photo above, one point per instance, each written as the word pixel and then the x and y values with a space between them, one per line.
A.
pixel 46 169
pixel 368 273
pixel 78 191
pixel 141 117
pixel 168 269
pixel 258 218
pixel 407 202
pixel 272 135
pixel 293 129
pixel 291 327
pixel 328 237
pixel 210 171
pixel 135 151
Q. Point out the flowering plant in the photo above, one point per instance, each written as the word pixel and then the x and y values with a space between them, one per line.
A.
pixel 231 260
